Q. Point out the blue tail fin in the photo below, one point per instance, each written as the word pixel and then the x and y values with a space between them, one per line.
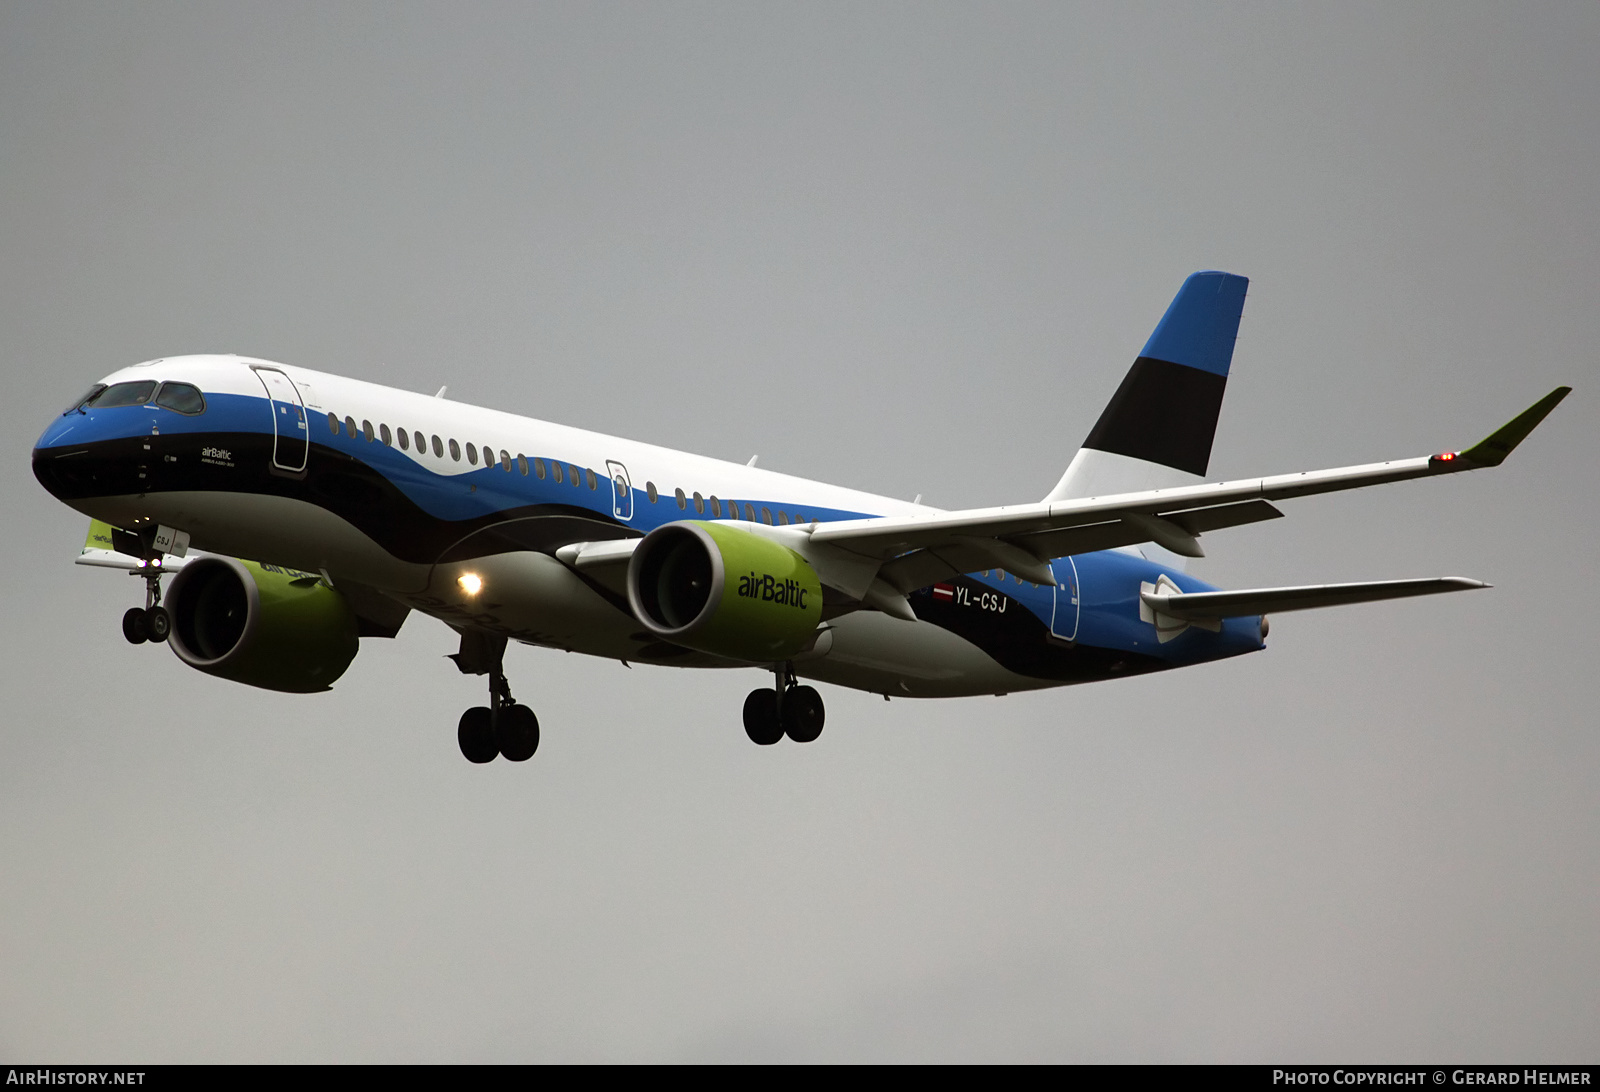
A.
pixel 1201 323
pixel 1166 410
pixel 1157 429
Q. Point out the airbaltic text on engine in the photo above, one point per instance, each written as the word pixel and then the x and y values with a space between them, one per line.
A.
pixel 769 589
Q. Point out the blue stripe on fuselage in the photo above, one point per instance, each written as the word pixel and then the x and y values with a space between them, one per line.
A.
pixel 448 497
pixel 1108 581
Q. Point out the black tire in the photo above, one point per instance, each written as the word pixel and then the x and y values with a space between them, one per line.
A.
pixel 761 717
pixel 475 734
pixel 133 626
pixel 517 732
pixel 802 714
pixel 157 623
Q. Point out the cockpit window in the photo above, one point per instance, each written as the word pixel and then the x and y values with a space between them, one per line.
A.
pixel 181 398
pixel 85 400
pixel 124 394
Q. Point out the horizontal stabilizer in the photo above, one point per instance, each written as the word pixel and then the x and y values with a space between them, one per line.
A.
pixel 1209 606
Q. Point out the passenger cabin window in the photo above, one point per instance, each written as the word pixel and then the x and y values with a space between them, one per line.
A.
pixel 699 504
pixel 182 398
pixel 749 512
pixel 783 520
pixel 124 394
pixel 333 423
pixel 650 491
pixel 505 461
pixel 350 427
pixel 575 476
pixel 405 439
pixel 682 500
pixel 716 507
pixel 538 469
pixel 766 515
pixel 438 447
pixel 589 477
pixel 384 435
pixel 522 464
pixel 455 450
pixel 421 442
pixel 472 454
pixel 555 468
pixel 366 430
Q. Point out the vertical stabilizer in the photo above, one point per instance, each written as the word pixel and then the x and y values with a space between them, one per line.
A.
pixel 1157 429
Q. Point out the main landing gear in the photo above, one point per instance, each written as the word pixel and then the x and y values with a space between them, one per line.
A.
pixel 787 709
pixel 502 728
pixel 153 623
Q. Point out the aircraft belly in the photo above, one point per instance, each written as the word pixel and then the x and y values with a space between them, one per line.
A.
pixel 262 527
pixel 872 651
pixel 532 597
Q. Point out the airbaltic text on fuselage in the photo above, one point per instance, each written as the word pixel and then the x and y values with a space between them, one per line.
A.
pixel 769 589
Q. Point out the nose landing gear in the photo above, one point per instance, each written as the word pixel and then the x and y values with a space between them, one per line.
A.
pixel 153 623
pixel 787 709
pixel 502 728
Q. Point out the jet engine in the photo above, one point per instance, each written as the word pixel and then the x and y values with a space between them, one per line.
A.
pixel 725 591
pixel 275 628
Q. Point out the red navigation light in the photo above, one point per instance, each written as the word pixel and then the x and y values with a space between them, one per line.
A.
pixel 1445 456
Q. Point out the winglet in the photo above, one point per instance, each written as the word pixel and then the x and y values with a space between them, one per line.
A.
pixel 1493 451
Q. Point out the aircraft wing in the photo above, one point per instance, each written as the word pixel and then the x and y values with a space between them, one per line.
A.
pixel 107 548
pixel 606 562
pixel 1021 539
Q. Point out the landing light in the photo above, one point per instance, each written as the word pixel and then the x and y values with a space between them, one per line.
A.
pixel 470 583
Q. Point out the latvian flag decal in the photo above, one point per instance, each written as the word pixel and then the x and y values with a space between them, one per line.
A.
pixel 945 592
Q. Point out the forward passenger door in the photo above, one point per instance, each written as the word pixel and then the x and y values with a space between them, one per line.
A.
pixel 290 438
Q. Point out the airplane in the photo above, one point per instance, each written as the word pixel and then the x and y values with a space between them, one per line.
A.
pixel 361 503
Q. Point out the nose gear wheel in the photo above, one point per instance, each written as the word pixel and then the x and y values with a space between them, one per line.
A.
pixel 152 622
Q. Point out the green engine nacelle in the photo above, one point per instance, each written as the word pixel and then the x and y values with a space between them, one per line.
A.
pixel 718 589
pixel 258 624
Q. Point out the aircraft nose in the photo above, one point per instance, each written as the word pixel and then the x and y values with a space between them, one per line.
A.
pixel 58 432
pixel 54 442
pixel 78 456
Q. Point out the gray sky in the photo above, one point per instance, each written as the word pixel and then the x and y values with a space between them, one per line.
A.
pixel 909 248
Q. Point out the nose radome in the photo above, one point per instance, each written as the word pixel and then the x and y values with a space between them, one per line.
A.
pixel 57 432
